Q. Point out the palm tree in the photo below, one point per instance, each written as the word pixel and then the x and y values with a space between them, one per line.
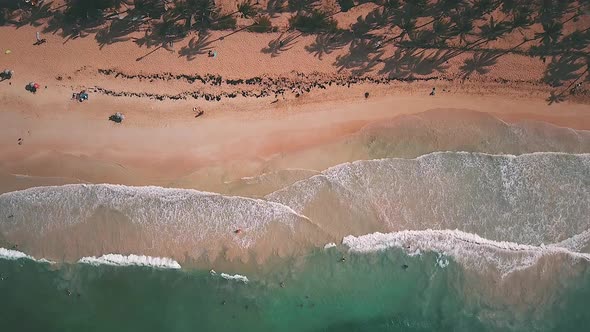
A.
pixel 345 5
pixel 202 12
pixel 508 6
pixel 247 9
pixel 89 9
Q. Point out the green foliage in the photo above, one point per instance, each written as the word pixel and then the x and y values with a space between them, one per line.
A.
pixel 199 14
pixel 83 10
pixel 346 5
pixel 315 21
pixel 247 10
pixel 261 24
pixel 151 8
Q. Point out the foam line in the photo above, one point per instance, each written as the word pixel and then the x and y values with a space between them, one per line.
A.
pixel 470 249
pixel 236 277
pixel 15 254
pixel 131 260
pixel 330 245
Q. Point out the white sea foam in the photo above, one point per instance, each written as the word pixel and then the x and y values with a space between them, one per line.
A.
pixel 182 216
pixel 442 261
pixel 471 250
pixel 236 277
pixel 531 199
pixel 131 260
pixel 15 254
pixel 330 245
pixel 576 242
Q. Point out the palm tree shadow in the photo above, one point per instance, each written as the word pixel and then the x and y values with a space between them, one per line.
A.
pixel 118 31
pixel 275 7
pixel 361 58
pixel 480 63
pixel 280 44
pixel 162 33
pixel 196 46
pixel 555 98
pixel 429 64
pixel 34 15
pixel 397 65
pixel 562 69
pixel 407 62
pixel 375 19
pixel 71 28
pixel 327 43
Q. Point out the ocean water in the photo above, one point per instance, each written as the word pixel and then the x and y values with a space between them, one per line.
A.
pixel 380 291
pixel 448 241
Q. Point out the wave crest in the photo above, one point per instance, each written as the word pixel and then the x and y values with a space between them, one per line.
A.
pixel 469 249
pixel 131 260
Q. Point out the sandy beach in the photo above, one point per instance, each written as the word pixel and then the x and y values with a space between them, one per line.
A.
pixel 294 165
pixel 161 140
pixel 273 115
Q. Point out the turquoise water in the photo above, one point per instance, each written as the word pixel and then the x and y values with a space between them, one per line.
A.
pixel 386 291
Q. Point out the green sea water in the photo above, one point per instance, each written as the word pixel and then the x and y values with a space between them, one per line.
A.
pixel 386 291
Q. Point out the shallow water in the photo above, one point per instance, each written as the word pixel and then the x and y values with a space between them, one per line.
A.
pixel 533 199
pixel 384 291
pixel 469 241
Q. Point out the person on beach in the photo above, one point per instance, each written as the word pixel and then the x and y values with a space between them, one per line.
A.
pixel 198 112
pixel 6 74
pixel 32 87
pixel 39 39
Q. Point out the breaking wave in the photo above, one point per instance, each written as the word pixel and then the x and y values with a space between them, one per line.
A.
pixel 131 260
pixel 530 199
pixel 472 250
pixel 540 200
pixel 15 254
pixel 150 220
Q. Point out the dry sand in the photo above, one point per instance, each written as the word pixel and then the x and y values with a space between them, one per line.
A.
pixel 161 142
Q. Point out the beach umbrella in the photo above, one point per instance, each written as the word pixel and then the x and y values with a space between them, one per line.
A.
pixel 7 52
pixel 36 85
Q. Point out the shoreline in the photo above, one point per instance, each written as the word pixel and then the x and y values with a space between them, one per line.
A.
pixel 266 110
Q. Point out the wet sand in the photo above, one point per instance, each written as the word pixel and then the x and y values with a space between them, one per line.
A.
pixel 170 147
